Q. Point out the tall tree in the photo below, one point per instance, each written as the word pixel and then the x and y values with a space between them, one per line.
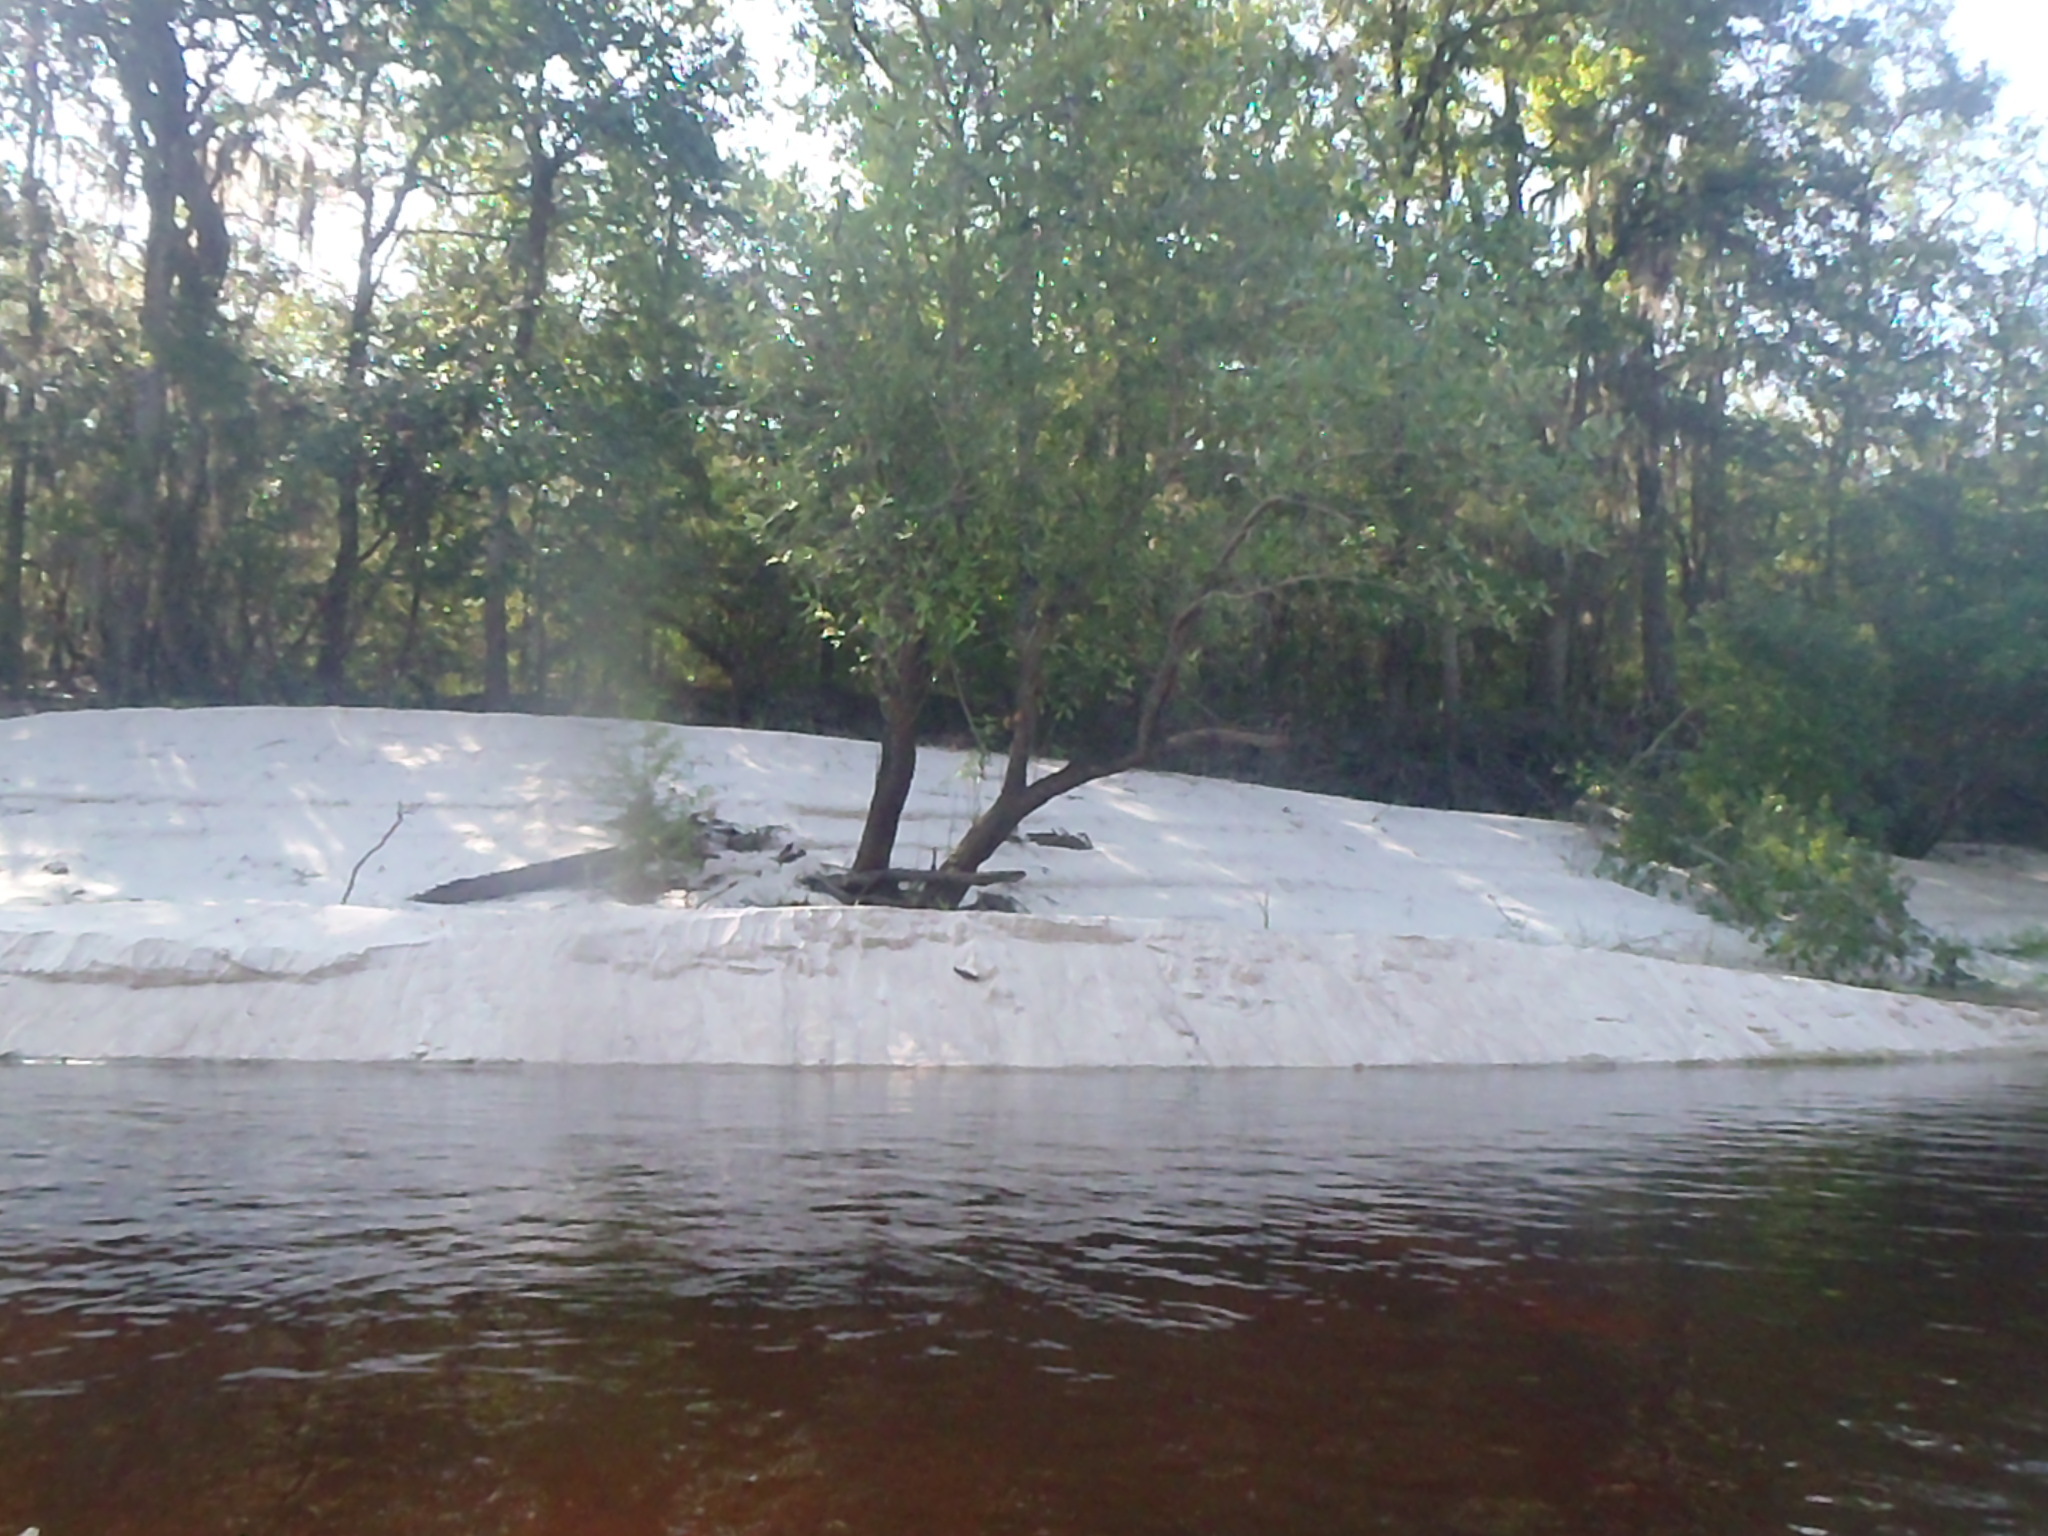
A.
pixel 159 633
pixel 569 106
pixel 31 228
pixel 1042 354
pixel 385 148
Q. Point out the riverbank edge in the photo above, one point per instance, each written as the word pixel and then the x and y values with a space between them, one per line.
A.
pixel 876 987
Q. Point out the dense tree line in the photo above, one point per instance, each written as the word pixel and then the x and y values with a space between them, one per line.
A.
pixel 1442 399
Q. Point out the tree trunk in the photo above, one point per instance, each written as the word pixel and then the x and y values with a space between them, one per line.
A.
pixel 902 684
pixel 13 617
pixel 497 583
pixel 1704 576
pixel 1516 140
pixel 1030 700
pixel 338 597
pixel 1450 638
pixel 35 216
pixel 1451 668
pixel 1554 653
pixel 534 650
pixel 1653 576
pixel 1645 392
pixel 185 634
pixel 1020 797
pixel 1397 674
pixel 1010 809
pixel 409 638
pixel 122 590
pixel 185 263
pixel 530 259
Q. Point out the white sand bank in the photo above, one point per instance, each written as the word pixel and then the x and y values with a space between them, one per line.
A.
pixel 170 885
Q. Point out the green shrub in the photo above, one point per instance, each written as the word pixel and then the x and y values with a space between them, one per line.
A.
pixel 658 823
pixel 1767 797
pixel 1816 898
pixel 2031 945
pixel 1791 700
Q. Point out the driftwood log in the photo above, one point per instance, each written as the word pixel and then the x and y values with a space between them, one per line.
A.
pixel 1059 838
pixel 612 869
pixel 579 871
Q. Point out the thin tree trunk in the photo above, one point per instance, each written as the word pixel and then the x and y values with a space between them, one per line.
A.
pixel 1451 667
pixel 123 598
pixel 1653 577
pixel 497 586
pixel 531 258
pixel 1645 389
pixel 185 641
pixel 338 597
pixel 1554 656
pixel 1450 637
pixel 65 647
pixel 1516 139
pixel 1019 796
pixel 1847 448
pixel 1703 566
pixel 408 642
pixel 1030 701
pixel 1555 696
pixel 1842 454
pixel 13 617
pixel 535 649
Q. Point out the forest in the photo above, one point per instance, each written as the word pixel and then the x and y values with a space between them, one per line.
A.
pixel 1493 404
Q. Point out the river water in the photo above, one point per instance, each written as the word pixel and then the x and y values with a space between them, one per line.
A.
pixel 313 1299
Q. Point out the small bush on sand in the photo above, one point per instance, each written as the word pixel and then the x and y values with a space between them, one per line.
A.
pixel 1816 898
pixel 659 822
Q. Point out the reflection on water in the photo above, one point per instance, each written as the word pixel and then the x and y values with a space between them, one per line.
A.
pixel 335 1299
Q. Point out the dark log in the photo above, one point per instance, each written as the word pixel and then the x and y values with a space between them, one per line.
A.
pixel 608 868
pixel 598 867
pixel 1061 839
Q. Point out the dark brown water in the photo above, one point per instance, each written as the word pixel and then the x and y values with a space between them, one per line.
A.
pixel 602 1302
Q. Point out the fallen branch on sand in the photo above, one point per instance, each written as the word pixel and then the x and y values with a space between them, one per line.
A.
pixel 622 871
pixel 590 870
pixel 375 848
pixel 1060 838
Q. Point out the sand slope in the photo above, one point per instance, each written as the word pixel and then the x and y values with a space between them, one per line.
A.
pixel 170 885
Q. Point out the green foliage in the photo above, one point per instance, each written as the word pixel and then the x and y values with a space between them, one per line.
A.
pixel 502 354
pixel 1952 573
pixel 1818 899
pixel 2030 945
pixel 656 820
pixel 1103 357
pixel 1791 701
pixel 1003 360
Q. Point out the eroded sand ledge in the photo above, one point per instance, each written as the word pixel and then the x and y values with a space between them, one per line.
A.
pixel 870 987
pixel 202 855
